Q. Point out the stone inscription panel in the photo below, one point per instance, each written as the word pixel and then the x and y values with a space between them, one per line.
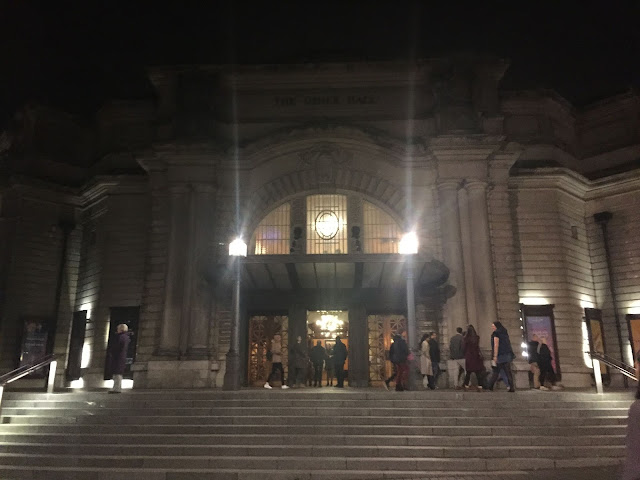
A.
pixel 385 102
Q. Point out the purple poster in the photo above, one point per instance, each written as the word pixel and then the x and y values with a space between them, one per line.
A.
pixel 542 326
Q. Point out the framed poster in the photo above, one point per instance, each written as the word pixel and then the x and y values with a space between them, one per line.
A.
pixel 33 347
pixel 633 321
pixel 593 317
pixel 538 320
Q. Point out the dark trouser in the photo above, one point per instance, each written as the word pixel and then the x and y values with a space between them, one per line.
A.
pixel 402 375
pixel 547 371
pixel 339 368
pixel 317 374
pixel 276 367
pixel 507 369
pixel 298 375
pixel 393 375
pixel 436 372
pixel 480 377
pixel 330 375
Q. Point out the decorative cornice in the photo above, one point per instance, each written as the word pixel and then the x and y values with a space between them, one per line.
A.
pixel 291 140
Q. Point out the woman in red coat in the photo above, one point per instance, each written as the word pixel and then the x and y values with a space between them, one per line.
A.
pixel 473 361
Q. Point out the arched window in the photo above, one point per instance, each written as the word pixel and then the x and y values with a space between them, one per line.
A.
pixel 381 233
pixel 326 224
pixel 272 236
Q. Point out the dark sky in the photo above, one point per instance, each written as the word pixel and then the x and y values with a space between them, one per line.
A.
pixel 76 55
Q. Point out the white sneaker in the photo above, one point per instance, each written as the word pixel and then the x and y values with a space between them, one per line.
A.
pixel 542 387
pixel 267 386
pixel 284 387
pixel 556 387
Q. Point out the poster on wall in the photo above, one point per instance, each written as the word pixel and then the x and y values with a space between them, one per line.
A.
pixel 35 334
pixel 539 320
pixel 633 320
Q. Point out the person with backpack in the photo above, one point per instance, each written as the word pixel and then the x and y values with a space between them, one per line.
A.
pixel 546 366
pixel 473 360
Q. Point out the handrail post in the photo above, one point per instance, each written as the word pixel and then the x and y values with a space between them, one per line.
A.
pixel 1 392
pixel 52 376
pixel 598 376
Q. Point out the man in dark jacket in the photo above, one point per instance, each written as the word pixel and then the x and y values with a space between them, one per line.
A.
pixel 318 353
pixel 117 356
pixel 434 353
pixel 456 359
pixel 398 354
pixel 532 357
pixel 339 357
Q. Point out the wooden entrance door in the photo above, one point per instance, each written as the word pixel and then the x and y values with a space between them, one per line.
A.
pixel 381 329
pixel 262 328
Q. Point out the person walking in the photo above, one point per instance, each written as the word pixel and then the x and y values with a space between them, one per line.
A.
pixel 339 357
pixel 426 369
pixel 456 358
pixel 117 356
pixel 546 366
pixel 276 363
pixel 299 362
pixel 532 358
pixel 318 354
pixel 501 354
pixel 434 352
pixel 473 361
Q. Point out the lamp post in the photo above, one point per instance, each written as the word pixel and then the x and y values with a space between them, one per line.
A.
pixel 409 246
pixel 237 250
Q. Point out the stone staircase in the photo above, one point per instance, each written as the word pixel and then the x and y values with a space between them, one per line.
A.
pixel 307 434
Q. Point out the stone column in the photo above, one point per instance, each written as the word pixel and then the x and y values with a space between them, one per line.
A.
pixel 202 203
pixel 456 307
pixel 465 234
pixel 358 347
pixel 481 258
pixel 175 276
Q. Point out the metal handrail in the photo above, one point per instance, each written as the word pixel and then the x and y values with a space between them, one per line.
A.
pixel 12 376
pixel 622 367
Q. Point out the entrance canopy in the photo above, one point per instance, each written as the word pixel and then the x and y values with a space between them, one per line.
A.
pixel 287 272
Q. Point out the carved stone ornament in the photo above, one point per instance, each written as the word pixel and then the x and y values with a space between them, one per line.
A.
pixel 325 159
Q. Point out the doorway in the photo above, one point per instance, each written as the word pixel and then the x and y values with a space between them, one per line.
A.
pixel 382 328
pixel 324 326
pixel 262 329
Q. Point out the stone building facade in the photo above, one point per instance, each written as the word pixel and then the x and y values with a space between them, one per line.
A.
pixel 128 219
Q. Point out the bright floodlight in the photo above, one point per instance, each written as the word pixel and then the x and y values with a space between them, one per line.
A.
pixel 238 248
pixel 408 243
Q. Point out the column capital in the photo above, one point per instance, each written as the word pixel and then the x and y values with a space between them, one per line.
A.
pixel 448 184
pixel 475 185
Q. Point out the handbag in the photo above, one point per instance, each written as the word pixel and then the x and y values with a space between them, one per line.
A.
pixel 411 357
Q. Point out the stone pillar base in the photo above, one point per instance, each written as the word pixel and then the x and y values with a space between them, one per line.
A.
pixel 171 374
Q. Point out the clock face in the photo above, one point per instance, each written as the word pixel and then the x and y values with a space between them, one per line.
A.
pixel 327 224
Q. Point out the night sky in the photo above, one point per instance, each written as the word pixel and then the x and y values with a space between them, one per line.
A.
pixel 74 56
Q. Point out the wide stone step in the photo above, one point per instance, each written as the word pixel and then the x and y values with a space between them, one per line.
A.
pixel 347 451
pixel 483 401
pixel 305 439
pixel 321 430
pixel 259 395
pixel 310 420
pixel 466 411
pixel 265 473
pixel 308 463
